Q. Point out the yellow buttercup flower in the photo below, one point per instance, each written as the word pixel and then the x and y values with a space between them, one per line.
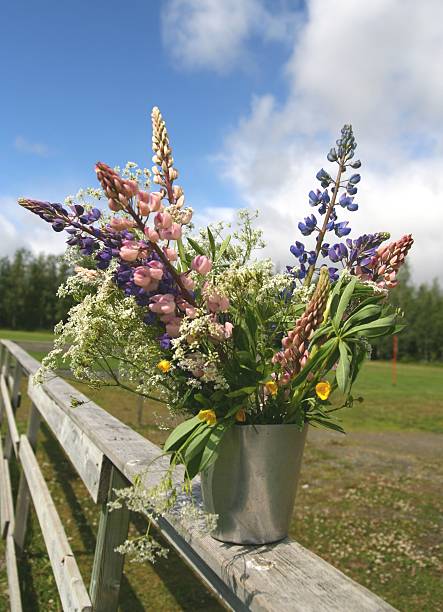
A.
pixel 272 387
pixel 240 416
pixel 208 415
pixel 323 389
pixel 164 366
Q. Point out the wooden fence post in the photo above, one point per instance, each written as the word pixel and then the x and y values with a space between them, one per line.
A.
pixel 108 564
pixel 23 495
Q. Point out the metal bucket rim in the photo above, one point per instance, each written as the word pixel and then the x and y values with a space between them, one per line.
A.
pixel 262 425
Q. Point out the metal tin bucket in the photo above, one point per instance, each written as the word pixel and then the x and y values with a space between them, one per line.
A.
pixel 252 484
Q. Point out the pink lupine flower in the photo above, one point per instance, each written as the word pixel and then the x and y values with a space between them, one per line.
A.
pixel 174 232
pixel 119 224
pixel 152 234
pixel 114 205
pixel 188 309
pixel 201 264
pixel 228 329
pixel 143 278
pixel 162 220
pixel 163 304
pixel 156 269
pixel 155 201
pixel 173 327
pixel 216 302
pixel 143 203
pixel 130 187
pixel 132 250
pixel 187 282
pixel 171 254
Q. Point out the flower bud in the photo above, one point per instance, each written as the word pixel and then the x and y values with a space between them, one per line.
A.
pixel 201 264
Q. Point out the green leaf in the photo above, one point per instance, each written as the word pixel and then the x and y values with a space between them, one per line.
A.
pixel 371 311
pixel 327 423
pixel 184 259
pixel 242 391
pixel 197 248
pixel 197 443
pixel 373 329
pixel 224 245
pixel 211 243
pixel 183 430
pixel 344 301
pixel 343 367
pixel 210 451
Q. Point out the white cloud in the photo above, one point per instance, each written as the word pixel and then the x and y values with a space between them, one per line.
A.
pixel 21 229
pixel 375 64
pixel 33 148
pixel 213 34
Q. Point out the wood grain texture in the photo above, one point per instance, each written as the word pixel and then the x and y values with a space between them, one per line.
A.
pixel 6 507
pixel 23 495
pixel 89 461
pixel 13 432
pixel 14 394
pixel 108 564
pixel 15 601
pixel 72 591
pixel 28 363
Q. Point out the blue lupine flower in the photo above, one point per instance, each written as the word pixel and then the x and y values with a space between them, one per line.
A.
pixel 312 258
pixel 351 189
pixel 333 274
pixel 297 249
pixel 314 197
pixel 332 155
pixel 341 229
pixel 352 207
pixel 308 226
pixel 164 340
pixel 356 164
pixel 355 178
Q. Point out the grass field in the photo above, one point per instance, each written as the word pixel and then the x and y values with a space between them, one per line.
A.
pixel 369 502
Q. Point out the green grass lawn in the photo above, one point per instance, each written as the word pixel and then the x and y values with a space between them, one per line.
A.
pixel 369 502
pixel 26 336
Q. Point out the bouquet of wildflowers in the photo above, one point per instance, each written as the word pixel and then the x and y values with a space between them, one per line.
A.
pixel 190 318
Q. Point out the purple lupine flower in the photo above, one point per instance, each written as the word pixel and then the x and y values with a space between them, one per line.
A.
pixel 308 226
pixel 297 249
pixel 341 229
pixel 333 274
pixel 355 178
pixel 164 340
pixel 314 197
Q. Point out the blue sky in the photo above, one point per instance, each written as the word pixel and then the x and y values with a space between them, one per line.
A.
pixel 253 93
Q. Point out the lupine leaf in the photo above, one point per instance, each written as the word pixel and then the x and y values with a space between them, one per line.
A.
pixel 343 367
pixel 344 301
pixel 211 243
pixel 224 245
pixel 197 248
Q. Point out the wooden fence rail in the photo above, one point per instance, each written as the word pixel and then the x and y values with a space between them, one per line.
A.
pixel 108 455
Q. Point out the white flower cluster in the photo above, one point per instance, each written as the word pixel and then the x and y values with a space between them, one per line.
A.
pixel 107 342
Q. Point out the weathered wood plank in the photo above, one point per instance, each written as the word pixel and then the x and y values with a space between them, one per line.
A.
pixel 15 601
pixel 6 506
pixel 14 394
pixel 28 363
pixel 108 564
pixel 70 585
pixel 13 432
pixel 7 525
pixel 89 461
pixel 23 495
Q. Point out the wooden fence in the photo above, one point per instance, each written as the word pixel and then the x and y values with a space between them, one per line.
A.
pixel 107 455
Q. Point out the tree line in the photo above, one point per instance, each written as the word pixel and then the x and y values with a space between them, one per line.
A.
pixel 28 291
pixel 28 300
